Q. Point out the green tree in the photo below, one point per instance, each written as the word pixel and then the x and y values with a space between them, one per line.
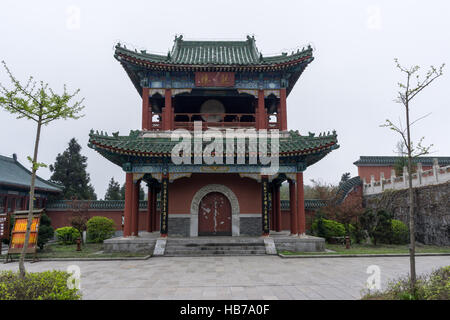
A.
pixel 69 170
pixel 378 225
pixel 46 231
pixel 113 191
pixel 36 101
pixel 413 85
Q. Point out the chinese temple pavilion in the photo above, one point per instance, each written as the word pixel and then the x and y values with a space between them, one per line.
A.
pixel 213 86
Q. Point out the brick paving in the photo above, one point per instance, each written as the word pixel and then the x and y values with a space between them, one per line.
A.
pixel 240 277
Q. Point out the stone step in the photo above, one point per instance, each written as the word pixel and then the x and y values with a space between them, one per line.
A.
pixel 215 241
pixel 169 249
pixel 214 253
pixel 213 247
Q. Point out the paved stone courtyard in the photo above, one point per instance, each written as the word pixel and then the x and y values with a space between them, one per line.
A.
pixel 244 277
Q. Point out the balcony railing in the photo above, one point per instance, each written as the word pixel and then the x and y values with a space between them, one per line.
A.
pixel 209 120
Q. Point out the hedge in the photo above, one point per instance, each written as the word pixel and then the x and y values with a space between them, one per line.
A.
pixel 47 285
pixel 328 228
pixel 400 232
pixel 67 235
pixel 99 229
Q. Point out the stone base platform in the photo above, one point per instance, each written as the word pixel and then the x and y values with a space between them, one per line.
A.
pixel 283 241
pixel 201 246
pixel 144 243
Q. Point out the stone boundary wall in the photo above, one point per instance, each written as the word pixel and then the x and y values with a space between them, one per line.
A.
pixel 434 176
pixel 432 208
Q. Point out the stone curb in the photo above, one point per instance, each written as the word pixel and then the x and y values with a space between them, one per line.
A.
pixel 86 259
pixel 361 255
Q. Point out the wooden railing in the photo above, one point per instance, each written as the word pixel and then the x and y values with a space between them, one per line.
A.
pixel 218 120
pixel 221 120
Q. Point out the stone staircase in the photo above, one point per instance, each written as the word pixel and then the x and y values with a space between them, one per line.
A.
pixel 214 246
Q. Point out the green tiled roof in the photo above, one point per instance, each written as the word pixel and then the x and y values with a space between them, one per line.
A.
pixel 12 173
pixel 214 53
pixel 346 187
pixel 310 204
pixel 137 145
pixel 390 161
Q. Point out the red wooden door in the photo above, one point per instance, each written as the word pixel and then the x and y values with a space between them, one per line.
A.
pixel 214 216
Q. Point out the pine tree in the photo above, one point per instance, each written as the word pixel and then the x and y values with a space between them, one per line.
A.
pixel 113 192
pixel 69 170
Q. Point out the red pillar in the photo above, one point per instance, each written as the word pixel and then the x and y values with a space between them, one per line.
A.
pixel 167 113
pixel 301 205
pixel 293 206
pixel 282 110
pixel 278 208
pixel 145 109
pixel 155 218
pixel 135 209
pixel 262 115
pixel 149 209
pixel 272 211
pixel 128 204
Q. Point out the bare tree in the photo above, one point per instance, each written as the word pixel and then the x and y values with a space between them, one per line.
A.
pixel 414 84
pixel 36 101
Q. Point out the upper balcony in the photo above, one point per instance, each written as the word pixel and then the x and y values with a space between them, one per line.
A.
pixel 214 120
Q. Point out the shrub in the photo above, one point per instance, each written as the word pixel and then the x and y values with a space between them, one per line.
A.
pixel 435 286
pixel 47 285
pixel 438 286
pixel 46 231
pixel 328 228
pixel 378 225
pixel 67 235
pixel 357 234
pixel 99 229
pixel 383 230
pixel 400 232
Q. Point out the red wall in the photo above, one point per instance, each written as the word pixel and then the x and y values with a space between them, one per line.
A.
pixel 62 218
pixel 247 191
pixel 181 192
pixel 286 219
pixel 367 171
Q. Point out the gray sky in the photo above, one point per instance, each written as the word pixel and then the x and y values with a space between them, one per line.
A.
pixel 350 86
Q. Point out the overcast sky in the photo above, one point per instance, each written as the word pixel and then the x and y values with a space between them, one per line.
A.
pixel 349 87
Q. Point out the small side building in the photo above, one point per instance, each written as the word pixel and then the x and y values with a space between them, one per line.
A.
pixel 15 181
pixel 375 165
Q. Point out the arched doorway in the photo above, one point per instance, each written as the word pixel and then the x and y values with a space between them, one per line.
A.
pixel 214 215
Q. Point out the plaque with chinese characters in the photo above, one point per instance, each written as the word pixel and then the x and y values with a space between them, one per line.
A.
pixel 214 79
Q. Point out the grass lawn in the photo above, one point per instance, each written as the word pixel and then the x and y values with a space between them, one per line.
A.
pixel 89 250
pixel 371 249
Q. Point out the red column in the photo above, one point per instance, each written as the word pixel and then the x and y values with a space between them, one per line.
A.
pixel 155 218
pixel 145 110
pixel 278 207
pixel 262 116
pixel 128 204
pixel 301 205
pixel 293 206
pixel 135 209
pixel 167 114
pixel 272 211
pixel 282 110
pixel 149 209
